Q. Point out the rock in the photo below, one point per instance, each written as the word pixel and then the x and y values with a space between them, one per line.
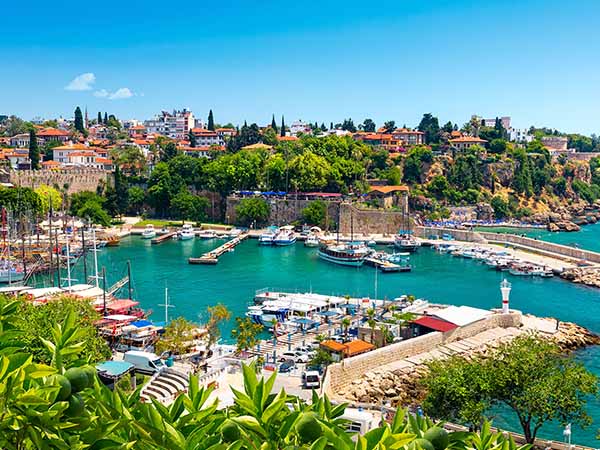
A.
pixel 553 227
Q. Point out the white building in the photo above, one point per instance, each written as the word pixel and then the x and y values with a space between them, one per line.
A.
pixel 175 125
pixel 299 127
pixel 20 140
pixel 520 135
pixel 207 138
pixel 505 120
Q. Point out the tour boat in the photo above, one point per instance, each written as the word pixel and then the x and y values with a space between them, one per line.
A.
pixel 149 232
pixel 406 243
pixel 10 273
pixel 285 236
pixel 345 254
pixel 267 237
pixel 311 241
pixel 186 233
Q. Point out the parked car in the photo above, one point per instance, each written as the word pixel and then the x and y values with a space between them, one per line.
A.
pixel 296 356
pixel 286 366
pixel 311 379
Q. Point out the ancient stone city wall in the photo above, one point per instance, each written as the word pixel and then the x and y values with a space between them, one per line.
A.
pixel 75 180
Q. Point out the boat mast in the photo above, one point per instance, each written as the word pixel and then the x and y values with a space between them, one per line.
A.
pixel 166 305
pixel 105 313
pixel 7 228
pixel 95 255
pixel 50 242
pixel 129 287
pixel 68 261
pixel 85 275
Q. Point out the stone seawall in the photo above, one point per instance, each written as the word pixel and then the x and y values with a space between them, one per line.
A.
pixel 369 221
pixel 460 235
pixel 285 210
pixel 339 376
pixel 75 180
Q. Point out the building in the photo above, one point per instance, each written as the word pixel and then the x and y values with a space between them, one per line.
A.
pixel 505 121
pixel 201 152
pixel 340 351
pixel 63 152
pixel 389 196
pixel 466 142
pixel 175 125
pixel 520 135
pixel 300 127
pixel 556 143
pixel 50 135
pixel 206 137
pixel 408 137
pixel 136 130
pixel 226 132
pixel 20 140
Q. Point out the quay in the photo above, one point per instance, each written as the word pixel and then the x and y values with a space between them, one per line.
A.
pixel 212 257
pixel 163 237
pixel 385 266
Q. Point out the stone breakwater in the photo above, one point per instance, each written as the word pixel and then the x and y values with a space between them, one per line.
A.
pixel 401 385
pixel 590 276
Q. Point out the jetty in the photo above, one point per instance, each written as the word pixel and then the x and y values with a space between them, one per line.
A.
pixel 212 257
pixel 386 266
pixel 163 237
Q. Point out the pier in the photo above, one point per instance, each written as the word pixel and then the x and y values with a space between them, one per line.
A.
pixel 212 257
pixel 163 237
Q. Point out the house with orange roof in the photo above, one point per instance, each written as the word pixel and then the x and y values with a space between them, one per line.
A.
pixel 465 142
pixel 205 137
pixel 104 163
pixel 226 132
pixel 204 151
pixel 63 152
pixel 47 135
pixel 340 351
pixel 287 138
pixel 408 137
pixel 51 164
pixel 137 131
pixel 20 140
pixel 389 196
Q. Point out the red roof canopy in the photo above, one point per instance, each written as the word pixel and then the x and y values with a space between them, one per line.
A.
pixel 121 304
pixel 435 324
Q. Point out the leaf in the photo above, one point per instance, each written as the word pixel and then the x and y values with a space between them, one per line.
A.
pixel 276 405
pixel 319 444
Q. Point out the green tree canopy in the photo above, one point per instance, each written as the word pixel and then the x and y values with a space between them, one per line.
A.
pixel 252 210
pixel 315 213
pixel 49 197
pixel 187 206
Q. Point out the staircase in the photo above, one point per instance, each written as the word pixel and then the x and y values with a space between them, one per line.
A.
pixel 164 386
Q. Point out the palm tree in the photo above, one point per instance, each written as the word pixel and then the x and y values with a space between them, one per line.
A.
pixel 402 319
pixel 346 324
pixel 371 321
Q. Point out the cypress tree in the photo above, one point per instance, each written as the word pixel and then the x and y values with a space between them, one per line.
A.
pixel 79 120
pixel 99 118
pixel 105 118
pixel 211 121
pixel 273 124
pixel 282 126
pixel 192 138
pixel 331 125
pixel 34 151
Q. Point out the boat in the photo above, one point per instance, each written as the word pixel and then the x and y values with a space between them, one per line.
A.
pixel 11 272
pixel 311 241
pixel 371 243
pixel 149 232
pixel 345 254
pixel 267 237
pixel 406 242
pixel 207 234
pixel 284 236
pixel 186 233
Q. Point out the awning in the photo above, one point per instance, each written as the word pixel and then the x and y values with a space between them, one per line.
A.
pixel 461 315
pixel 303 321
pixel 435 324
pixel 141 323
pixel 328 313
pixel 114 369
pixel 121 304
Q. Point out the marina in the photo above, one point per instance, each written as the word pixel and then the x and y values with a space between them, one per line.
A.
pixel 212 257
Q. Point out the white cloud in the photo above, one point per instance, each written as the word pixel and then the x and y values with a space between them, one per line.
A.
pixel 81 82
pixel 120 93
pixel 101 93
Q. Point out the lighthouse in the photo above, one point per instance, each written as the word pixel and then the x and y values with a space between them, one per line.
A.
pixel 505 289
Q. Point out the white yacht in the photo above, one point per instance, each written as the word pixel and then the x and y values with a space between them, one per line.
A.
pixel 149 232
pixel 285 236
pixel 207 234
pixel 186 233
pixel 311 241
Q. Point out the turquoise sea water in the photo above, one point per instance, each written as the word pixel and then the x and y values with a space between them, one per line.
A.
pixel 438 278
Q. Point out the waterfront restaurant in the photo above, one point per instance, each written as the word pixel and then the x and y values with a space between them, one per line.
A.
pixel 389 196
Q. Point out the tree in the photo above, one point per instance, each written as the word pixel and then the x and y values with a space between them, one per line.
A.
pixel 252 210
pixel 528 375
pixel 78 199
pixel 99 120
pixel 282 127
pixel 309 172
pixel 136 197
pixel 498 146
pixel 522 181
pixel 20 200
pixel 246 333
pixel 169 150
pixel 211 121
pixel 79 125
pixel 105 121
pixel 177 336
pixel 348 125
pixel 187 206
pixel 368 126
pixel 500 206
pixel 273 124
pixel 94 213
pixel 34 151
pixel 430 126
pixel 48 197
pixel 389 126
pixel 269 137
pixel 217 314
pixel 192 139
pixel 315 213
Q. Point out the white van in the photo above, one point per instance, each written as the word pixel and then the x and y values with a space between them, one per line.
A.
pixel 311 379
pixel 144 362
pixel 359 420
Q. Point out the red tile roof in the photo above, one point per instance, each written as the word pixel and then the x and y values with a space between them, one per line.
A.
pixel 52 132
pixel 50 163
pixel 435 324
pixel 388 189
pixel 204 132
pixel 288 138
pixel 467 139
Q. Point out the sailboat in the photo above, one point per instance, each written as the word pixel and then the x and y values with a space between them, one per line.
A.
pixel 347 253
pixel 405 240
pixel 10 271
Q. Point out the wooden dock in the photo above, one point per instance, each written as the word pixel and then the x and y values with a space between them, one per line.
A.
pixel 163 237
pixel 212 257
pixel 386 266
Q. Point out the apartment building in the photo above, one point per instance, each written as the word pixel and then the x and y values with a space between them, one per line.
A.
pixel 176 124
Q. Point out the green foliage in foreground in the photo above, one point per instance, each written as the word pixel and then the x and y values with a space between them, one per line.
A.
pixel 528 375
pixel 62 405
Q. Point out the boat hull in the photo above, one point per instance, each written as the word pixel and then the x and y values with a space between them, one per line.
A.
pixel 351 262
pixel 284 242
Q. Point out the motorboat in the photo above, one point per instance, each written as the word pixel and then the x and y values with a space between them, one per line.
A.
pixel 186 233
pixel 284 236
pixel 311 241
pixel 267 237
pixel 406 243
pixel 207 234
pixel 345 254
pixel 149 232
pixel 371 243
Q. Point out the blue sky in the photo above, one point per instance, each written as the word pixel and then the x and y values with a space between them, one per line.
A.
pixel 536 61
